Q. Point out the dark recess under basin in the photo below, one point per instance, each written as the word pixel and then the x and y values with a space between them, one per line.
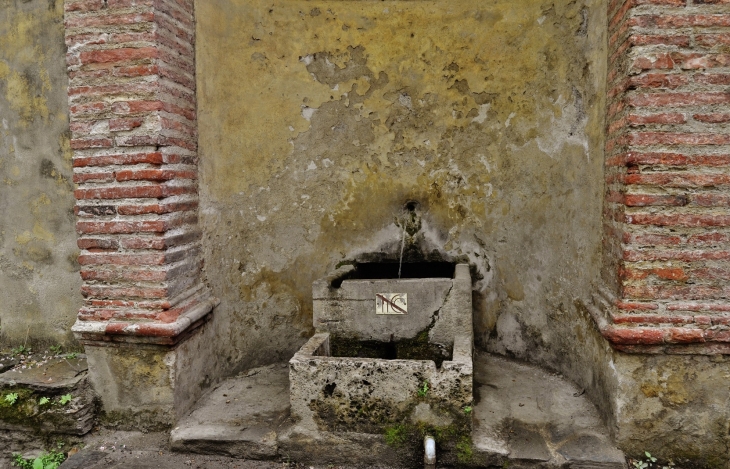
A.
pixel 417 348
pixel 389 270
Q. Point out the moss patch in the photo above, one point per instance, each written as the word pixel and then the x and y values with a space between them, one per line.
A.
pixel 396 435
pixel 27 412
pixel 464 451
pixel 22 411
pixel 453 442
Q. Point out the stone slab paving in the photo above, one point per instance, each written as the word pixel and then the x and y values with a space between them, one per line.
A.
pixel 48 377
pixel 108 449
pixel 525 415
pixel 8 361
pixel 52 373
pixel 241 417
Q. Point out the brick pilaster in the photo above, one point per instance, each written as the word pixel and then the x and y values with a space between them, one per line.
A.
pixel 666 216
pixel 131 66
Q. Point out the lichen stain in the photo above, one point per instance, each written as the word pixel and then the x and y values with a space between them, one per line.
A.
pixel 140 369
pixel 269 289
pixel 24 80
pixel 441 56
pixel 669 384
pixel 64 148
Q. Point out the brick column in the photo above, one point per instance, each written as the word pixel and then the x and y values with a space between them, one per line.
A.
pixel 666 217
pixel 131 66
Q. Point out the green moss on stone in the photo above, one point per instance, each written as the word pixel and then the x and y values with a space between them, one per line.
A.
pixel 22 410
pixel 464 451
pixel 396 435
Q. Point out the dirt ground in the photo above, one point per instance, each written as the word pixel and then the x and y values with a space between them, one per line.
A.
pixel 116 449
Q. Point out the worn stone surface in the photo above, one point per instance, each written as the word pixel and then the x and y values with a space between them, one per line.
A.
pixel 38 269
pixel 241 417
pixel 674 406
pixel 338 448
pixel 55 373
pixel 50 379
pixel 14 441
pixel 319 122
pixel 440 306
pixel 133 381
pixel 123 449
pixel 366 395
pixel 523 417
pixel 248 416
pixel 349 310
pixel 523 414
pixel 7 361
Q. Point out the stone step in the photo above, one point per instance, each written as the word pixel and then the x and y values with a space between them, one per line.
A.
pixel 241 417
pixel 50 378
pixel 524 415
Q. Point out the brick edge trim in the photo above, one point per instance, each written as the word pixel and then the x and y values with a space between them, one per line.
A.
pixel 194 312
pixel 654 339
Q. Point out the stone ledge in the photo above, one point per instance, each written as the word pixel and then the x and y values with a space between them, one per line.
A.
pixel 658 336
pixel 51 380
pixel 99 332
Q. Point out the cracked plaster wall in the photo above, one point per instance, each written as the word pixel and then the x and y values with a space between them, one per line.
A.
pixel 319 120
pixel 39 277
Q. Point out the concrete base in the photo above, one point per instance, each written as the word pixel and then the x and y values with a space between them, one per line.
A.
pixel 146 386
pixel 523 417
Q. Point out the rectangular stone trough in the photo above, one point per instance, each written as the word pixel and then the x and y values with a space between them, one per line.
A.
pixel 388 353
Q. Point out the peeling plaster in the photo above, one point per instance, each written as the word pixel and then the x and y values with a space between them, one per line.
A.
pixel 489 115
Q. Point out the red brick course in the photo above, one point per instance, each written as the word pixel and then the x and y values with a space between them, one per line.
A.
pixel 131 66
pixel 667 223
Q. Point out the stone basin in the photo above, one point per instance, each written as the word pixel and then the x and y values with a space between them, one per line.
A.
pixel 387 353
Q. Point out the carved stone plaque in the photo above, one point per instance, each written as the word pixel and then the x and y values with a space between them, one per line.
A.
pixel 391 303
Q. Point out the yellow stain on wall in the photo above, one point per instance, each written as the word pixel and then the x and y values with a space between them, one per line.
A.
pixel 64 144
pixel 26 81
pixel 470 58
pixel 24 238
pixel 38 202
pixel 24 100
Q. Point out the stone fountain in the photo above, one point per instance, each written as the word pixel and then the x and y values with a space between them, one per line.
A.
pixel 391 356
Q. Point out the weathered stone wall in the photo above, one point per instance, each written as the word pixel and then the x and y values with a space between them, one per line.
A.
pixel 674 406
pixel 318 122
pixel 39 277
